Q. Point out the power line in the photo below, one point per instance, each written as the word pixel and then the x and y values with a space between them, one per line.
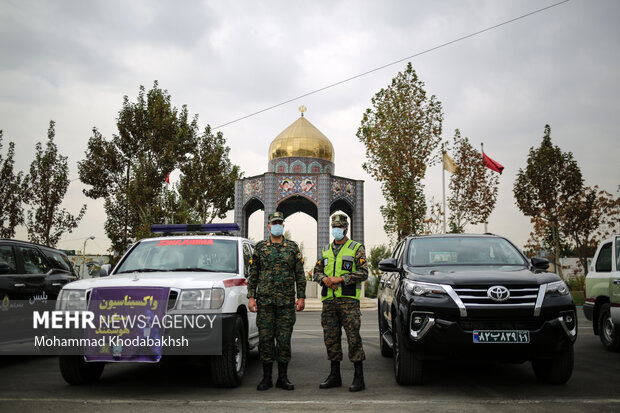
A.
pixel 392 63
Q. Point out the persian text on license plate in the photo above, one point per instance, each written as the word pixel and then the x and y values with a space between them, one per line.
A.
pixel 501 336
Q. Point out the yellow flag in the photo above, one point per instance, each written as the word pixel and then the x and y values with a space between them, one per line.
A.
pixel 448 163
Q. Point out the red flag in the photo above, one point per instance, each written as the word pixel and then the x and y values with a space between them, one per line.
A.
pixel 168 178
pixel 491 164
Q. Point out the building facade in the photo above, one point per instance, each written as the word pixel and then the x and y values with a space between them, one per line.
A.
pixel 301 178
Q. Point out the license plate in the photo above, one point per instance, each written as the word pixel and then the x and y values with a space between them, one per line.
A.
pixel 501 336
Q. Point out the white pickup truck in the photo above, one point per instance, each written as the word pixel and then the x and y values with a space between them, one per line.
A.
pixel 602 293
pixel 178 279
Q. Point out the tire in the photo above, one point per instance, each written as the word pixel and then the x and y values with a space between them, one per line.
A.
pixel 78 372
pixel 407 368
pixel 386 351
pixel 556 370
pixel 607 331
pixel 228 369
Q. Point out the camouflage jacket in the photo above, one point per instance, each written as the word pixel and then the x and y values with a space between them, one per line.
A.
pixel 361 267
pixel 276 269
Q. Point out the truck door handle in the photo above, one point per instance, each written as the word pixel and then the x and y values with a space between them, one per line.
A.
pixel 19 285
pixel 617 281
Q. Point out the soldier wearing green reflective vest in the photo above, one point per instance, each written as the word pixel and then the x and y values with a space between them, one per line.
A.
pixel 341 271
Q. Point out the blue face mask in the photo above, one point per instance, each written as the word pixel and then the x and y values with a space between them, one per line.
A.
pixel 338 233
pixel 277 230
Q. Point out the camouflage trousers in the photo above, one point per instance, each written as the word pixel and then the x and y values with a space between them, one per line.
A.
pixel 337 314
pixel 275 327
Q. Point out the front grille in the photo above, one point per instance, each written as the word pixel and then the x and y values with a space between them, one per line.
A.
pixel 527 324
pixel 476 296
pixel 172 299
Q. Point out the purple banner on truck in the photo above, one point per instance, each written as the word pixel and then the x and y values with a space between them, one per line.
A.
pixel 127 326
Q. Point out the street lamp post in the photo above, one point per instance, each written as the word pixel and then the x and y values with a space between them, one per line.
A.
pixel 84 257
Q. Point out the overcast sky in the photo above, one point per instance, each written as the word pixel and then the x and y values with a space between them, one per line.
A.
pixel 73 61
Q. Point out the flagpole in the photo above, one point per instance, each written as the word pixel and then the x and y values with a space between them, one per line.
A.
pixel 482 149
pixel 443 188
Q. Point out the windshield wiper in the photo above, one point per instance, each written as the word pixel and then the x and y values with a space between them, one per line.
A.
pixel 141 270
pixel 194 269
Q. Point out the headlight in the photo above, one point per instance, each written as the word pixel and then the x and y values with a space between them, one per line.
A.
pixel 208 298
pixel 420 288
pixel 557 288
pixel 71 300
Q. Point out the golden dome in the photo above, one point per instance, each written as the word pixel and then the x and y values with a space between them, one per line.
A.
pixel 302 138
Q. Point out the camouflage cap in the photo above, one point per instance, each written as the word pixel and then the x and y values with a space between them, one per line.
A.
pixel 276 216
pixel 340 220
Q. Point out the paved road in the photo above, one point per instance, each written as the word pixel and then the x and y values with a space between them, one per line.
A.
pixel 35 384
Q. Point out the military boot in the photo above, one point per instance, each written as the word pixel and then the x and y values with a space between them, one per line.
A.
pixel 283 382
pixel 266 383
pixel 334 379
pixel 358 378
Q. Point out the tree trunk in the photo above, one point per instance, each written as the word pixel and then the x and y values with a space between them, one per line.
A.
pixel 556 247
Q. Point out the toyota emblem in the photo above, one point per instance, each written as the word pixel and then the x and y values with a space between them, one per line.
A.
pixel 498 293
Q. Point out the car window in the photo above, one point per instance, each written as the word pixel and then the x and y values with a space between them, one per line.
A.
pixel 247 256
pixel 603 261
pixel 58 260
pixel 436 251
pixel 178 254
pixel 34 262
pixel 401 253
pixel 398 251
pixel 617 253
pixel 7 256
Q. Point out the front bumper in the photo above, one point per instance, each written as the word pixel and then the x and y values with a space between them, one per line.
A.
pixel 439 338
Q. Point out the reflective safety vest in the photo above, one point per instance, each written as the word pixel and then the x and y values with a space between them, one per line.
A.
pixel 338 266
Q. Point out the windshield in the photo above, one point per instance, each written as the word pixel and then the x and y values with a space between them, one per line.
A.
pixel 190 254
pixel 427 252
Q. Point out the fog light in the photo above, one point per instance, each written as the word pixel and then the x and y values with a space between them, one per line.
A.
pixel 569 323
pixel 417 322
pixel 420 324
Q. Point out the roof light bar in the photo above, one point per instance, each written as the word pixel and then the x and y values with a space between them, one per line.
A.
pixel 183 228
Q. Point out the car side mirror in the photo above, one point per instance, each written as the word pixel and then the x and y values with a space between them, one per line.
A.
pixel 388 265
pixel 105 270
pixel 4 268
pixel 540 263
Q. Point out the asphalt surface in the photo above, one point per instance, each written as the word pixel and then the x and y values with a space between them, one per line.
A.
pixel 29 384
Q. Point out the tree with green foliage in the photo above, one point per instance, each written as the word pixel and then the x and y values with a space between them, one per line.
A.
pixel 473 187
pixel 377 253
pixel 208 181
pixel 589 218
pixel 129 170
pixel 542 189
pixel 45 188
pixel 11 193
pixel 401 133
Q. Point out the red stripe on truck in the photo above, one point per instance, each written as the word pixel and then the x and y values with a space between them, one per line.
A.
pixel 235 282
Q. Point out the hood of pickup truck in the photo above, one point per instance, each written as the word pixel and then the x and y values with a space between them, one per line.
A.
pixel 483 275
pixel 177 279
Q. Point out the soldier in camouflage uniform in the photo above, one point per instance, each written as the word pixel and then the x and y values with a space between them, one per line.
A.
pixel 276 268
pixel 341 271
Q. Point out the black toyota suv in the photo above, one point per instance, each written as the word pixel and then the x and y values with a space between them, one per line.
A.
pixel 463 296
